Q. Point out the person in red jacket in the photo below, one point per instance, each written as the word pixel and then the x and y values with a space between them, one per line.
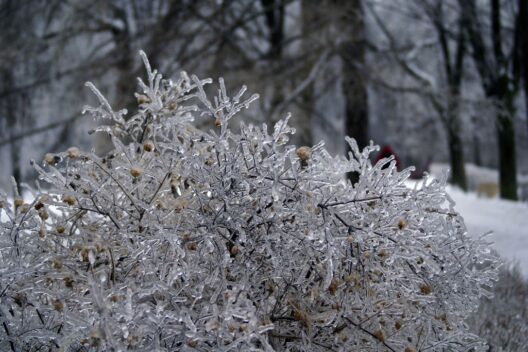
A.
pixel 385 152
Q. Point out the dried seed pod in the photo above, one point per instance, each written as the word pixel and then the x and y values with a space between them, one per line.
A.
pixel 148 146
pixel 379 334
pixel 234 250
pixel 302 317
pixel 192 343
pixel 68 199
pixel 42 232
pixel 425 289
pixel 136 171
pixel 142 99
pixel 398 324
pixel 58 305
pixel 334 285
pixel 20 298
pixel 68 282
pixel 304 153
pixel 50 158
pixel 73 152
pixel 173 105
pixel 56 264
pixel 18 202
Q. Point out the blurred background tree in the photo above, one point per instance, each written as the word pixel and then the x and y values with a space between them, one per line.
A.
pixel 436 80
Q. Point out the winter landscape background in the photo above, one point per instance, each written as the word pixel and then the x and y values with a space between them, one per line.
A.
pixel 421 77
pixel 442 83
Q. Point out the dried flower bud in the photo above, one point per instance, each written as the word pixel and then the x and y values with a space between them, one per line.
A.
pixel 73 152
pixel 60 229
pixel 20 298
pixel 334 285
pixel 136 171
pixel 192 343
pixel 402 224
pixel 50 158
pixel 18 202
pixel 68 282
pixel 218 122
pixel 84 254
pixel 185 236
pixel 383 254
pixel 304 153
pixel 142 99
pixel 68 199
pixel 425 289
pixel 302 317
pixel 409 349
pixel 58 305
pixel 234 250
pixel 180 205
pixel 379 334
pixel 148 146
pixel 132 340
pixel 173 105
pixel 43 214
pixel 24 208
pixel 398 324
pixel 56 264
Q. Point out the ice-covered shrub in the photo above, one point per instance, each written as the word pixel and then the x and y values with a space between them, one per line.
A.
pixel 198 241
pixel 503 320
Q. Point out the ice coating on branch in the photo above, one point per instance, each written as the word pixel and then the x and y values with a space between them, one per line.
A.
pixel 186 240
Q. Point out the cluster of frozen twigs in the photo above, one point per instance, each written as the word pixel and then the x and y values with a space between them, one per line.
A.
pixel 198 241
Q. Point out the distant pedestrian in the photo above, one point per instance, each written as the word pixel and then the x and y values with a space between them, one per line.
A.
pixel 385 152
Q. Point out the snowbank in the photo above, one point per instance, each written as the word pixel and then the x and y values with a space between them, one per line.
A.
pixel 507 220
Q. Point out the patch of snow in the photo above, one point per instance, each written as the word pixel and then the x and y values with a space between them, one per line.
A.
pixel 481 175
pixel 506 219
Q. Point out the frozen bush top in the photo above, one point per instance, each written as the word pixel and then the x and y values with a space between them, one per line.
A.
pixel 186 240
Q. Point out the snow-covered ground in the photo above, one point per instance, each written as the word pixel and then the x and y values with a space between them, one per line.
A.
pixel 507 220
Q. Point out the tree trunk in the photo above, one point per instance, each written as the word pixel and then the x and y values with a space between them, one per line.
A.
pixel 274 17
pixel 310 13
pixel 352 52
pixel 456 153
pixel 507 153
pixel 523 17
pixel 12 113
pixel 500 82
pixel 354 85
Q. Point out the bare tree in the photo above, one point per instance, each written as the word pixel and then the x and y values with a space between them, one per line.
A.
pixel 498 63
pixel 453 69
pixel 351 49
pixel 442 89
